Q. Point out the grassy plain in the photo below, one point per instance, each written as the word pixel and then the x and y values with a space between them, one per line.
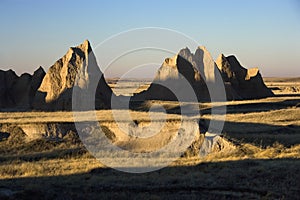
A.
pixel 260 158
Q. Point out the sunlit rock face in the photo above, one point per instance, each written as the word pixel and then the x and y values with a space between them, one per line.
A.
pixel 77 69
pixel 198 70
pixel 185 68
pixel 185 77
pixel 203 75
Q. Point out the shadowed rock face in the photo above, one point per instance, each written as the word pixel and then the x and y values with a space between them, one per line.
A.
pixel 202 72
pixel 247 83
pixel 7 79
pixel 198 69
pixel 77 69
pixel 17 93
pixel 170 79
pixel 53 91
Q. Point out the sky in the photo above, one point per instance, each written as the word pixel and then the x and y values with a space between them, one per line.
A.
pixel 260 33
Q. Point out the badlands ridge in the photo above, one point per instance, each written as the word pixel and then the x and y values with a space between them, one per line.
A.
pixel 78 69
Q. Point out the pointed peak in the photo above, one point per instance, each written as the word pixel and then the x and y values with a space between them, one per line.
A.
pixel 185 51
pixel 221 57
pixel 171 62
pixel 201 47
pixel 234 63
pixel 201 50
pixel 186 54
pixel 85 46
pixel 39 70
pixel 86 42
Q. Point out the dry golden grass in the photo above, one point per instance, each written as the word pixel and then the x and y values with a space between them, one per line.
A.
pixel 61 117
pixel 52 167
pixel 260 158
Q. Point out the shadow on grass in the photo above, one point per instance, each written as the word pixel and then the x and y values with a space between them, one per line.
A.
pixel 230 109
pixel 243 179
pixel 48 155
pixel 256 107
pixel 287 95
pixel 261 134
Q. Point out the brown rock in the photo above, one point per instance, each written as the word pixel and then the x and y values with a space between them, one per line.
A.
pixel 17 93
pixel 77 69
pixel 247 83
pixel 171 78
pixel 7 79
pixel 198 69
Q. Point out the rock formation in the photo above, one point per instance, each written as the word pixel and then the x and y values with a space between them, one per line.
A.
pixel 7 79
pixel 170 80
pixel 17 93
pixel 247 83
pixel 185 77
pixel 198 69
pixel 203 74
pixel 78 70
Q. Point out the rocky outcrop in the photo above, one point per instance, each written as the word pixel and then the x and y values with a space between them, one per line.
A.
pixel 203 74
pixel 202 62
pixel 78 70
pixel 247 83
pixel 171 79
pixel 185 77
pixel 7 79
pixel 17 93
pixel 198 69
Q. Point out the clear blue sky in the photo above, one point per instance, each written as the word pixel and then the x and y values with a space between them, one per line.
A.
pixel 264 33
